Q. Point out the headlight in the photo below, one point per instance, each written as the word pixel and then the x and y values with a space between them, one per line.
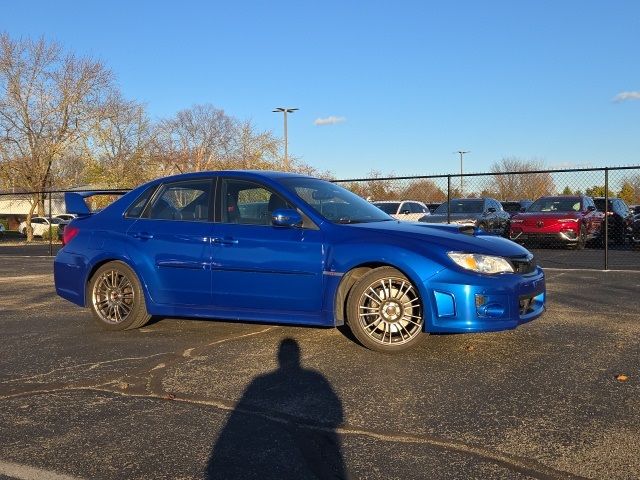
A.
pixel 574 220
pixel 481 263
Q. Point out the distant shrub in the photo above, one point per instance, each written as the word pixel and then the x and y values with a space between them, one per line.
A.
pixel 54 233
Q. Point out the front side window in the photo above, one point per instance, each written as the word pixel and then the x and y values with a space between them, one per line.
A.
pixel 415 207
pixel 249 203
pixel 333 202
pixel 186 201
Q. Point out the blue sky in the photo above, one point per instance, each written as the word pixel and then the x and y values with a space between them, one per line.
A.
pixel 411 81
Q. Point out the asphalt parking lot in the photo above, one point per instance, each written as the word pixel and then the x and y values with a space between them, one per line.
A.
pixel 182 399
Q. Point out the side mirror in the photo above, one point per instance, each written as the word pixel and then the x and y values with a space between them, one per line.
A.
pixel 491 210
pixel 591 208
pixel 286 217
pixel 405 211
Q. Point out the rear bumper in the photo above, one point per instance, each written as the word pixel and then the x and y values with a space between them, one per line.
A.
pixel 69 274
pixel 484 304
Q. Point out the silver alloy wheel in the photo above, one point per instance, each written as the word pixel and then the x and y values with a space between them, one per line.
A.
pixel 113 297
pixel 390 311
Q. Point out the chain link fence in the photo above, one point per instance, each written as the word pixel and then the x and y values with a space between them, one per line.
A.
pixel 570 219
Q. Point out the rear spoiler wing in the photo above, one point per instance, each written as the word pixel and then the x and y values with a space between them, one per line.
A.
pixel 76 204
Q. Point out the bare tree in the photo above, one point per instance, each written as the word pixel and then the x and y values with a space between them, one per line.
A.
pixel 116 151
pixel 521 185
pixel 206 138
pixel 376 187
pixel 196 139
pixel 425 191
pixel 254 150
pixel 47 100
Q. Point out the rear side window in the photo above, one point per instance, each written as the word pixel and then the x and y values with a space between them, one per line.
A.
pixel 137 208
pixel 186 201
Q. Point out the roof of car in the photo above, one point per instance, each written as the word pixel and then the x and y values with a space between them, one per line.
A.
pixel 240 173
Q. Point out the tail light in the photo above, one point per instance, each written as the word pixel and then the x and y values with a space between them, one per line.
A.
pixel 69 233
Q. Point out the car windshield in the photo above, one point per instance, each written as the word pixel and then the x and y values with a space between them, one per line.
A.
pixel 555 204
pixel 461 206
pixel 511 206
pixel 388 207
pixel 56 221
pixel 334 202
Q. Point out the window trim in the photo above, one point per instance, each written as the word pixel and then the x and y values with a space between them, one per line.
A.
pixel 153 190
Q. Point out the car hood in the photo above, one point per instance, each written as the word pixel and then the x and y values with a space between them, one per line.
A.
pixel 454 217
pixel 549 215
pixel 448 237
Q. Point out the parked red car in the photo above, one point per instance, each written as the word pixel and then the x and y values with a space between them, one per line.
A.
pixel 566 220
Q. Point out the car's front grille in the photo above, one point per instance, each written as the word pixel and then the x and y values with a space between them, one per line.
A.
pixel 526 264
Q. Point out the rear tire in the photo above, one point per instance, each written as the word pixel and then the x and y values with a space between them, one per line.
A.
pixel 116 298
pixel 385 311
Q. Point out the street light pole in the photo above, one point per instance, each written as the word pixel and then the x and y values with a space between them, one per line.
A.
pixel 285 110
pixel 461 152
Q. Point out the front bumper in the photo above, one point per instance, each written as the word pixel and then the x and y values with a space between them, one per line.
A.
pixel 482 303
pixel 565 236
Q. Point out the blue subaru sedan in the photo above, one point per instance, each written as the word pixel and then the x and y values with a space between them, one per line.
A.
pixel 289 249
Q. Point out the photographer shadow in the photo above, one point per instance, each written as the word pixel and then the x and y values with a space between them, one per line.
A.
pixel 283 427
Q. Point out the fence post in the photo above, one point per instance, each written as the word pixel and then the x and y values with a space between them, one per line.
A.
pixel 50 224
pixel 449 198
pixel 606 218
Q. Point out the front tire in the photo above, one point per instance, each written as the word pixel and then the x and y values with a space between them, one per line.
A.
pixel 385 311
pixel 116 298
pixel 582 238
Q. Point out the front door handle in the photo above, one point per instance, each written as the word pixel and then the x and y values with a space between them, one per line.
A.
pixel 224 241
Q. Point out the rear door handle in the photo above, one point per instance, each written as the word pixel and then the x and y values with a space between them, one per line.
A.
pixel 224 241
pixel 142 235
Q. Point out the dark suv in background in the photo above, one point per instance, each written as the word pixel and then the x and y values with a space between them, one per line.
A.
pixel 484 213
pixel 620 219
pixel 515 206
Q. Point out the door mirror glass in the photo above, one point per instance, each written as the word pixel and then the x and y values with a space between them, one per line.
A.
pixel 491 210
pixel 286 217
pixel 591 208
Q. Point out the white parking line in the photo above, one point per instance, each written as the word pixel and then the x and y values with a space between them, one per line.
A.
pixel 25 472
pixel 553 269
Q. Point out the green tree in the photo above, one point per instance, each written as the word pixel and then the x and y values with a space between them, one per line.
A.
pixel 567 191
pixel 598 191
pixel 627 192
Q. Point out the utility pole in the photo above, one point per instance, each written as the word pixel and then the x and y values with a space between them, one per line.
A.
pixel 285 110
pixel 461 152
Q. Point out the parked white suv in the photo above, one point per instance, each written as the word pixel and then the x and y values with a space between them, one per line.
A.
pixel 39 225
pixel 407 210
